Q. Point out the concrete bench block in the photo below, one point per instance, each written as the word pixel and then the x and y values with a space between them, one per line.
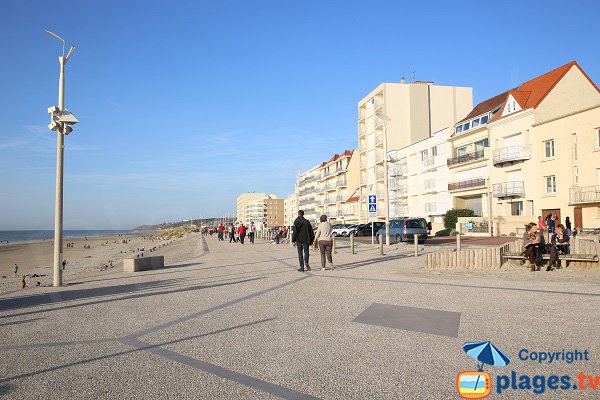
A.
pixel 143 263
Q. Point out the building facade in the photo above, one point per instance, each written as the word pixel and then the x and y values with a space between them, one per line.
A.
pixel 520 154
pixel 274 212
pixel 306 190
pixel 394 116
pixel 418 179
pixel 251 207
pixel 290 209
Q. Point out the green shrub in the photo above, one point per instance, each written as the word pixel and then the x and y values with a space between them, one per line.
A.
pixel 451 217
pixel 453 232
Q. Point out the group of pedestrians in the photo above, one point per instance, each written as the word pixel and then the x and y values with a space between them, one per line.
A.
pixel 236 234
pixel 534 243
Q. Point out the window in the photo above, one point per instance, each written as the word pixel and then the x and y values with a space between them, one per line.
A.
pixel 459 129
pixel 434 151
pixel 429 207
pixel 516 208
pixel 576 175
pixel 551 184
pixel 461 151
pixel 479 145
pixel 424 155
pixel 574 140
pixel 475 123
pixel 484 119
pixel 466 127
pixel 549 148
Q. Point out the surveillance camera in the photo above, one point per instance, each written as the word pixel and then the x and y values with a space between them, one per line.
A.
pixel 53 110
pixel 53 126
pixel 68 129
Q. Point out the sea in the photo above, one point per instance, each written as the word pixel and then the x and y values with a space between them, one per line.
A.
pixel 23 236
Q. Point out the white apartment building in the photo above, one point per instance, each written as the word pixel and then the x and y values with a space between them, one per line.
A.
pixel 415 111
pixel 306 190
pixel 418 179
pixel 290 209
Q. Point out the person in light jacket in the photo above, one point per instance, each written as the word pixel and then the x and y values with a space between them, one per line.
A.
pixel 325 240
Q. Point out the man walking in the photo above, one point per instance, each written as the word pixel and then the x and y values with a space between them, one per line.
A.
pixel 242 233
pixel 252 232
pixel 302 238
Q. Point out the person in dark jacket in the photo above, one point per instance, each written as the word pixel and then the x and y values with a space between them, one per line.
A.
pixel 560 245
pixel 532 240
pixel 302 238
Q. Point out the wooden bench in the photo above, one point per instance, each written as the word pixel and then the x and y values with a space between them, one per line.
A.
pixel 563 257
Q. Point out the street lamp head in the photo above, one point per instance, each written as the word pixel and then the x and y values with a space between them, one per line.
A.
pixel 383 117
pixel 59 38
pixel 69 53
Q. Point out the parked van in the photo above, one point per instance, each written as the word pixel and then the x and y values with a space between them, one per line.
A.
pixel 403 230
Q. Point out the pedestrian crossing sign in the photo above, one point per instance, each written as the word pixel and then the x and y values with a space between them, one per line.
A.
pixel 372 208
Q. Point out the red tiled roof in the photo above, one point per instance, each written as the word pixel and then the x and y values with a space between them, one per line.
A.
pixel 529 94
pixel 337 156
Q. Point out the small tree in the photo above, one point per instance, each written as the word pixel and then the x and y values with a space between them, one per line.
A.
pixel 451 217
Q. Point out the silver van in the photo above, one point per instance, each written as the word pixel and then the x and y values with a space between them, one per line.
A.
pixel 403 230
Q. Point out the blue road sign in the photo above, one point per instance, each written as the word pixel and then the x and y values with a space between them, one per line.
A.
pixel 372 199
pixel 372 208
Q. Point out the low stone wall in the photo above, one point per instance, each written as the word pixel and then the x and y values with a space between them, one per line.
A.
pixel 143 263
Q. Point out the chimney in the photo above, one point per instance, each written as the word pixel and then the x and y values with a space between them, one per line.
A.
pixel 402 80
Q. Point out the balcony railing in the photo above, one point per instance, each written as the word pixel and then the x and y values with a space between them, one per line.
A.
pixel 380 175
pixel 467 184
pixel 584 194
pixel 378 103
pixel 509 189
pixel 340 198
pixel 363 163
pixel 342 182
pixel 379 139
pixel 464 158
pixel 399 170
pixel 429 162
pixel 511 154
pixel 379 158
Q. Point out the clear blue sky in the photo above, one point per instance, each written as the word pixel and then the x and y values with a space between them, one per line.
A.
pixel 185 104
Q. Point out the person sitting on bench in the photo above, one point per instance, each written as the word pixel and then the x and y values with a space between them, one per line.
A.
pixel 532 242
pixel 560 245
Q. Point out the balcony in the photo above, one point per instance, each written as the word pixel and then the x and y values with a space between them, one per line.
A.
pixel 378 103
pixel 584 195
pixel 329 200
pixel 511 154
pixel 379 139
pixel 362 113
pixel 342 182
pixel 380 175
pixel 363 164
pixel 340 199
pixel 429 162
pixel 465 158
pixel 508 189
pixel 399 170
pixel 379 158
pixel 467 184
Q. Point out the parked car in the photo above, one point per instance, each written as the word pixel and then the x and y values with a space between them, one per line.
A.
pixel 403 230
pixel 338 229
pixel 366 229
pixel 346 230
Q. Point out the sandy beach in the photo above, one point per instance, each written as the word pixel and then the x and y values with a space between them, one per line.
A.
pixel 85 257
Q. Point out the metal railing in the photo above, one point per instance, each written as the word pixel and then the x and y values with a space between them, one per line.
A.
pixel 467 184
pixel 379 139
pixel 511 153
pixel 341 182
pixel 509 189
pixel 399 170
pixel 584 194
pixel 464 158
pixel 379 158
pixel 380 175
pixel 428 162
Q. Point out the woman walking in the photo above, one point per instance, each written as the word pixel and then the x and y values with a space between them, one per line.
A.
pixel 325 240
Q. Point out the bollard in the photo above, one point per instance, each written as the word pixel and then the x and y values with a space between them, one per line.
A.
pixel 352 244
pixel 458 242
pixel 381 245
pixel 416 237
pixel 333 245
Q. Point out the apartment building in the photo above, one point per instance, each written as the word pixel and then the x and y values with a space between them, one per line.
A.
pixel 337 175
pixel 290 209
pixel 251 207
pixel 505 154
pixel 274 212
pixel 306 190
pixel 418 177
pixel 395 115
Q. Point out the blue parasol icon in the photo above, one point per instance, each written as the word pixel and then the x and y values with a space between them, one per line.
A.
pixel 486 353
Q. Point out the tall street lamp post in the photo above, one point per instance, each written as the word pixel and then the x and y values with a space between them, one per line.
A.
pixel 386 183
pixel 61 121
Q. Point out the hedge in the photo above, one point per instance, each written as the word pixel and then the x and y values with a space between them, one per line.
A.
pixel 451 217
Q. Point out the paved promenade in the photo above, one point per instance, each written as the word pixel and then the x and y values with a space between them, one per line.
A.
pixel 239 322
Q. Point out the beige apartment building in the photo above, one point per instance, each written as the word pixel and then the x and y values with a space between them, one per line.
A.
pixel 338 176
pixel 522 153
pixel 306 190
pixel 252 207
pixel 274 212
pixel 395 115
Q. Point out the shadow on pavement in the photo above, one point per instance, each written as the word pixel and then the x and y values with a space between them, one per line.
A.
pixel 71 295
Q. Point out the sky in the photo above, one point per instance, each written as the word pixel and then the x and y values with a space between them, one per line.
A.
pixel 183 105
